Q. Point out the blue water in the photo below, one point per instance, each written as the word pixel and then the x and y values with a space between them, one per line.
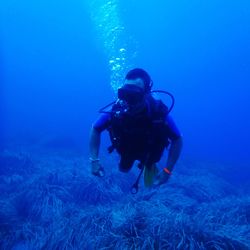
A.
pixel 60 61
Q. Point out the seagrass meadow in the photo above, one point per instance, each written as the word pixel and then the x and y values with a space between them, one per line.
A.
pixel 52 202
pixel 63 61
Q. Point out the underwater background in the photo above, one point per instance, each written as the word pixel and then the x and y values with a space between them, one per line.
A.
pixel 61 61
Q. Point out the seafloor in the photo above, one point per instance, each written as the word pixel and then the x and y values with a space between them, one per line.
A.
pixel 50 201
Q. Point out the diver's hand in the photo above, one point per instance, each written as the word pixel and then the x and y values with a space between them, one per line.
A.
pixel 96 168
pixel 161 178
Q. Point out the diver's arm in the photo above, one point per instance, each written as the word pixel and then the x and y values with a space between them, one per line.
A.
pixel 175 138
pixel 176 142
pixel 173 156
pixel 94 143
pixel 174 153
pixel 95 134
pixel 94 146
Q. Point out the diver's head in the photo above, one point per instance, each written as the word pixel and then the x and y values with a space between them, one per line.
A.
pixel 140 78
pixel 136 86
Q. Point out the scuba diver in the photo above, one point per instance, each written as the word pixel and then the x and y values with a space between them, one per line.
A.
pixel 140 129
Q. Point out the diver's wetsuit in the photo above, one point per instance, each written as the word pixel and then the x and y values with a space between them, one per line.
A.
pixel 127 160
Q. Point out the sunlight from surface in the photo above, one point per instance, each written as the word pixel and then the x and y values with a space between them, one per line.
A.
pixel 119 47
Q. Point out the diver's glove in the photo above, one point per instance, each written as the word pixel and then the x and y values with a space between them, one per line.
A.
pixel 96 167
pixel 162 177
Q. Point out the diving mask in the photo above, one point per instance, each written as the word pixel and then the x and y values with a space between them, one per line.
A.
pixel 131 94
